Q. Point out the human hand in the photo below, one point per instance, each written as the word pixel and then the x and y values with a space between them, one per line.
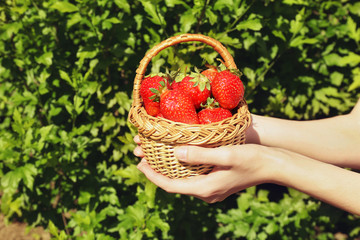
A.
pixel 235 168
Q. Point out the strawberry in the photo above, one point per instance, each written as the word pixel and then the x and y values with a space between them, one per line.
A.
pixel 177 106
pixel 227 89
pixel 175 85
pixel 207 115
pixel 210 73
pixel 148 85
pixel 212 112
pixel 198 88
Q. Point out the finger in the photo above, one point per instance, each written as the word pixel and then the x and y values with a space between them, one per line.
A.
pixel 199 155
pixel 138 152
pixel 155 177
pixel 189 186
pixel 202 186
pixel 137 139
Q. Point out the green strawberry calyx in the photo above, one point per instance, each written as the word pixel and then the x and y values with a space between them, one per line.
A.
pixel 222 67
pixel 210 104
pixel 200 80
pixel 158 92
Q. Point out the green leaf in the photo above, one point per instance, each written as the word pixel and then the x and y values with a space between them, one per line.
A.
pixel 123 4
pixel 211 16
pixel 279 34
pixel 156 222
pixel 66 77
pixel 355 8
pixel 54 111
pixel 10 29
pixel 45 59
pixel 241 229
pixel 83 54
pixel 131 173
pixel 28 172
pixel 74 19
pixel 84 197
pixel 150 191
pixel 187 19
pixel 153 14
pixel 137 212
pixel 354 33
pixel 352 59
pixel 300 40
pixel 64 7
pixel 296 2
pixel 334 59
pixel 356 80
pixel 78 101
pixel 263 195
pixel 221 4
pixel 109 121
pixel 297 24
pixel 244 201
pixel 53 229
pixel 252 24
pixel 10 180
pixel 271 228
pixel 117 155
pixel 336 78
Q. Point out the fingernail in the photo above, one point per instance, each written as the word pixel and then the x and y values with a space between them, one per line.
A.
pixel 180 153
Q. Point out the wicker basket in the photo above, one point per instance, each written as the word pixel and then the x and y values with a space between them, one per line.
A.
pixel 159 136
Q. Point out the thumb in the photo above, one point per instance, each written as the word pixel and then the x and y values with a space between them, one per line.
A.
pixel 221 156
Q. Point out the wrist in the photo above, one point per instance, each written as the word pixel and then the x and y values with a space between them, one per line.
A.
pixel 275 162
pixel 251 133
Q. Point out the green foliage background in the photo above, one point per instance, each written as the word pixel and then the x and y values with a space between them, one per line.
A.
pixel 66 75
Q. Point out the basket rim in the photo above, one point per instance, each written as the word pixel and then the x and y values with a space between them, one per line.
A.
pixel 164 130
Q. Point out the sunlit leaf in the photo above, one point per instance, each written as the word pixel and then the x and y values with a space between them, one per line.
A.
pixel 64 7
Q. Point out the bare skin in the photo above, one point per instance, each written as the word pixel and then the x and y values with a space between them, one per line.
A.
pixel 306 155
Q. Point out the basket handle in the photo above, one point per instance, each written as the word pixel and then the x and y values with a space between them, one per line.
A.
pixel 216 45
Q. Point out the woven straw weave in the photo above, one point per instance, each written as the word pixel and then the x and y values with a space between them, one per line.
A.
pixel 159 136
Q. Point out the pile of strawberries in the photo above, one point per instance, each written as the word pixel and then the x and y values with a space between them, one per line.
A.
pixel 194 98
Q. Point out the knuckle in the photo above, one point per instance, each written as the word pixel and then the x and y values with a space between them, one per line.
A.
pixel 207 194
pixel 169 189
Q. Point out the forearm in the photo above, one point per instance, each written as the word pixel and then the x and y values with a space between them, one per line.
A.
pixel 333 140
pixel 334 185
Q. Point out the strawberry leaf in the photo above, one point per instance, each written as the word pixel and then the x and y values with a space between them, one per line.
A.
pixel 154 90
pixel 202 86
pixel 179 77
pixel 236 72
pixel 208 85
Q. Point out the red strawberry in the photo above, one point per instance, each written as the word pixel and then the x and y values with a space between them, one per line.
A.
pixel 208 115
pixel 227 89
pixel 210 73
pixel 148 85
pixel 177 106
pixel 213 113
pixel 198 88
pixel 175 85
